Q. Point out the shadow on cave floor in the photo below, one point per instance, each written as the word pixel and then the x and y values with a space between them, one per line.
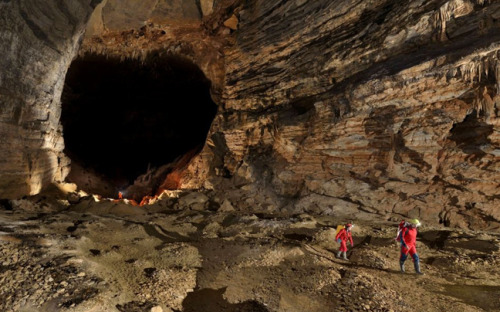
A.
pixel 481 296
pixel 212 300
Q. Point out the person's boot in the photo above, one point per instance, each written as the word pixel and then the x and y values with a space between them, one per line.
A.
pixel 338 254
pixel 402 266
pixel 345 255
pixel 417 267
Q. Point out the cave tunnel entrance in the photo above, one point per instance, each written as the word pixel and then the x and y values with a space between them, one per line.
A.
pixel 121 118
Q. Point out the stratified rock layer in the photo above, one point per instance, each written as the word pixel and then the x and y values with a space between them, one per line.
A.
pixel 38 39
pixel 379 106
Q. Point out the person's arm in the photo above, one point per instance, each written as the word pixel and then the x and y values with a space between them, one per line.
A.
pixel 403 233
pixel 338 235
pixel 350 238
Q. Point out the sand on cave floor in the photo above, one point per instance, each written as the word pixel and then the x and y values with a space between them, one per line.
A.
pixel 194 254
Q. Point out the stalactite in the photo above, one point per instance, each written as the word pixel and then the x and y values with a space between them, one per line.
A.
pixel 496 105
pixel 478 68
pixel 488 106
pixel 442 18
pixel 482 2
pixel 496 69
pixel 446 12
pixel 481 69
pixel 450 10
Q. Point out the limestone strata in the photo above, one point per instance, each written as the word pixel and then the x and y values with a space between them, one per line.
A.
pixel 186 40
pixel 37 42
pixel 120 15
pixel 336 107
pixel 379 106
pixel 131 29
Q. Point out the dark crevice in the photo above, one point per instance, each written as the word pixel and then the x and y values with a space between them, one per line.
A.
pixel 212 300
pixel 471 134
pixel 123 118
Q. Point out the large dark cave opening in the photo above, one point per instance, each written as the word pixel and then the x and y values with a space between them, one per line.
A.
pixel 121 118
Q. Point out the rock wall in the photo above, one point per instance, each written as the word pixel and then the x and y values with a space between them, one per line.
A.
pixel 120 15
pixel 387 107
pixel 136 30
pixel 38 40
pixel 337 107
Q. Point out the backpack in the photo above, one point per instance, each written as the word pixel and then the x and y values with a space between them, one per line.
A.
pixel 339 228
pixel 401 226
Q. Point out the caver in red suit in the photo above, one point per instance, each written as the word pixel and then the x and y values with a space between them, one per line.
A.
pixel 408 238
pixel 343 236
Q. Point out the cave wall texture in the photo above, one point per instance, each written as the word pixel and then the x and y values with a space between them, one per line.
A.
pixel 334 107
pixel 376 106
pixel 38 40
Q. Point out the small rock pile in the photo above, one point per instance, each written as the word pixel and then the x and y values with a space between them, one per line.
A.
pixel 32 278
pixel 360 292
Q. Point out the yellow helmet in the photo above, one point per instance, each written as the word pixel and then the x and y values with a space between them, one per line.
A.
pixel 414 222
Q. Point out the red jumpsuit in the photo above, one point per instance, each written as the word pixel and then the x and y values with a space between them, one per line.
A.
pixel 408 242
pixel 344 235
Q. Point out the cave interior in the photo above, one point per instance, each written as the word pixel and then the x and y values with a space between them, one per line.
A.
pixel 123 118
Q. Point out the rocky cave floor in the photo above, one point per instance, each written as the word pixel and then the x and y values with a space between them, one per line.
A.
pixel 196 252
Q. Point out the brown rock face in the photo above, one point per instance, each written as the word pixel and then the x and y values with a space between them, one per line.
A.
pixel 338 107
pixel 120 15
pixel 380 106
pixel 41 41
pixel 38 40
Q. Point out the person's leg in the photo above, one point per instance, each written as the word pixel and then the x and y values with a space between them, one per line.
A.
pixel 416 260
pixel 343 249
pixel 402 258
pixel 345 255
